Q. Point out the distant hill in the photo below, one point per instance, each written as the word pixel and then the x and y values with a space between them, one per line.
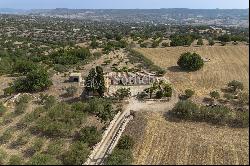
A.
pixel 170 15
pixel 12 11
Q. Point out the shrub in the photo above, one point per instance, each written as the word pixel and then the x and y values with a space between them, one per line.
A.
pixel 70 56
pixel 21 140
pixel 243 98
pixel 241 119
pixel 190 62
pixel 228 96
pixel 37 144
pixel 166 89
pixel 6 136
pixel 184 109
pixel 159 94
pixel 8 118
pixel 160 72
pixel 57 122
pixel 155 44
pixel 36 147
pixel 36 80
pixel 215 115
pixel 224 38
pixel 181 40
pixel 77 154
pixel 24 66
pixel 102 108
pixel 143 45
pixel 71 91
pixel 125 142
pixel 6 65
pixel 187 110
pixel 9 91
pixel 211 42
pixel 49 102
pixel 94 44
pixel 214 94
pixel 235 85
pixel 2 109
pixel 55 147
pixel 200 42
pixel 89 135
pixel 122 93
pixel 165 44
pixel 22 104
pixel 43 159
pixel 189 93
pixel 142 95
pixel 60 68
pixel 15 160
pixel 29 118
pixel 120 157
pixel 80 107
pixel 3 155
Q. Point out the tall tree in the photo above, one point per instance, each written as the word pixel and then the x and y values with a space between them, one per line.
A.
pixel 95 81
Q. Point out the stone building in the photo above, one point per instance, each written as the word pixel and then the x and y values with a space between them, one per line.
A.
pixel 75 77
pixel 129 78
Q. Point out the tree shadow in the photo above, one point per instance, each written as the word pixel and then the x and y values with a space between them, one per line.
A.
pixel 227 90
pixel 2 96
pixel 171 118
pixel 64 95
pixel 29 152
pixel 175 69
pixel 73 100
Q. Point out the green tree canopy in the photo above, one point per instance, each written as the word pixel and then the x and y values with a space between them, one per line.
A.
pixel 190 62
pixel 95 81
pixel 36 80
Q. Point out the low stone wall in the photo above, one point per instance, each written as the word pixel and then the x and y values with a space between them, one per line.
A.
pixel 133 88
pixel 97 146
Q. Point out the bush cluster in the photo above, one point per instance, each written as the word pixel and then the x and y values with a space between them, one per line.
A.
pixel 122 154
pixel 220 115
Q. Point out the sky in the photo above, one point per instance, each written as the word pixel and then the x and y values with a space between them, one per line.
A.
pixel 124 4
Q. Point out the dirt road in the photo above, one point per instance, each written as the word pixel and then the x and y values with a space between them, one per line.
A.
pixel 154 106
pixel 117 126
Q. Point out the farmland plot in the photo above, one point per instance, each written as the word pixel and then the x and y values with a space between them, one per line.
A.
pixel 227 63
pixel 165 142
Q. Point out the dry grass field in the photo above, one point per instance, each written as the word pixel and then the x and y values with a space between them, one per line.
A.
pixel 174 143
pixel 227 63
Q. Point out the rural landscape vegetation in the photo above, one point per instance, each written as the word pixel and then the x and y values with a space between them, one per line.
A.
pixel 122 87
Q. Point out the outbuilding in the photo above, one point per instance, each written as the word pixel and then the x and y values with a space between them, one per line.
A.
pixel 75 77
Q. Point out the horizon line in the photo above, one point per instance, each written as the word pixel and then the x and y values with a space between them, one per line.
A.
pixel 123 8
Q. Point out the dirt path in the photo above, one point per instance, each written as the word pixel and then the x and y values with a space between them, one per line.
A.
pixel 117 126
pixel 154 106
